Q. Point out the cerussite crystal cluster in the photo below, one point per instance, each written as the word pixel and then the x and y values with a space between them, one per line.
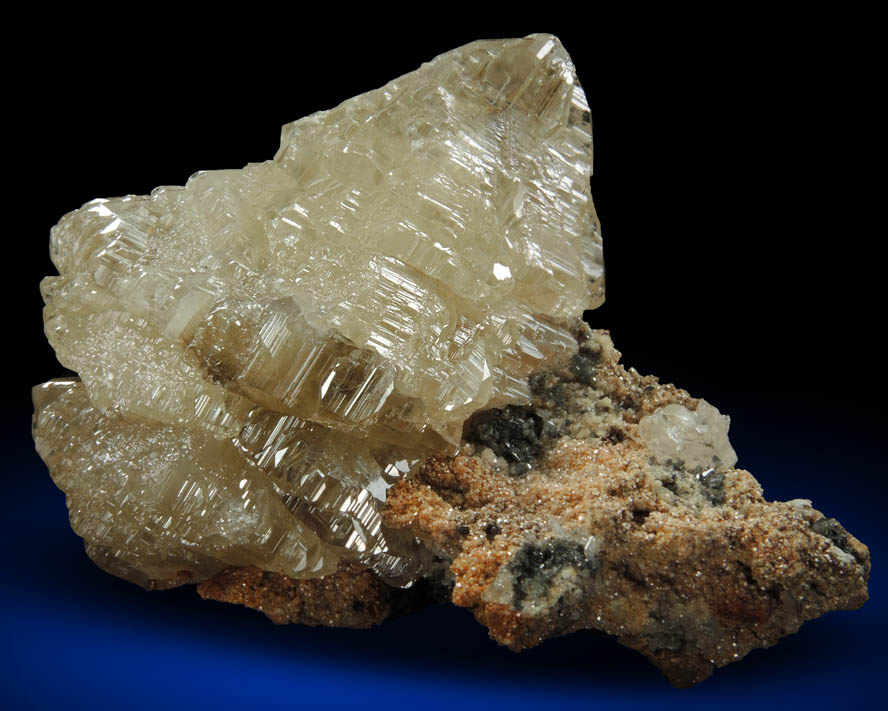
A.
pixel 355 378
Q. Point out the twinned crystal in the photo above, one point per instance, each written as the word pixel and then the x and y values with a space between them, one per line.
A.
pixel 318 322
pixel 353 380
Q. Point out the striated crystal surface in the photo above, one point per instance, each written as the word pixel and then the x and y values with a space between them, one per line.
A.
pixel 352 380
pixel 263 352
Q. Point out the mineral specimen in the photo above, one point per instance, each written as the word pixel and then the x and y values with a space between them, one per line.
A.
pixel 353 379
pixel 309 327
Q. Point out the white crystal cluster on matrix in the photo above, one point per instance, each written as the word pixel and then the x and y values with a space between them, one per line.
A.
pixel 263 352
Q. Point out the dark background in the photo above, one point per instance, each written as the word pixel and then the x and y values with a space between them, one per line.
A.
pixel 734 179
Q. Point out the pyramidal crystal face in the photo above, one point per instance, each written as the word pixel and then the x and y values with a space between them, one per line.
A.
pixel 263 352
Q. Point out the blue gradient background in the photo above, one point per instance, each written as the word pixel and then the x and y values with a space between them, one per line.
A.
pixel 770 319
pixel 76 637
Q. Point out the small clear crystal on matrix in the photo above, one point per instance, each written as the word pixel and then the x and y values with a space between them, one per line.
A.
pixel 354 379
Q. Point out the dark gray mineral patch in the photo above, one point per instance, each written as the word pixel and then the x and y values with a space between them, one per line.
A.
pixel 511 432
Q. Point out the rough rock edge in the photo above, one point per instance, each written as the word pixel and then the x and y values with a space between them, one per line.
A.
pixel 351 597
pixel 693 572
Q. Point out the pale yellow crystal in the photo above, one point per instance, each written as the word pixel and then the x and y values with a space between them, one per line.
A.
pixel 314 324
pixel 166 498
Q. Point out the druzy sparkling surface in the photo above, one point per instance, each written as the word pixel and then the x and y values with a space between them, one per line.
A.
pixel 319 321
pixel 353 380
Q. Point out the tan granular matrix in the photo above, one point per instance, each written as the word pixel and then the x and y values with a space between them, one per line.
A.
pixel 554 517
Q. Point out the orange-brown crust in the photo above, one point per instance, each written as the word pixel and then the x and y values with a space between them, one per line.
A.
pixel 350 597
pixel 691 585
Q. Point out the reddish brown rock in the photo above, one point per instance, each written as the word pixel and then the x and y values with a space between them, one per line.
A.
pixel 557 517
pixel 350 597
pixel 693 572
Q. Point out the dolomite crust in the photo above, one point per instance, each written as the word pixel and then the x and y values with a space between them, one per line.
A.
pixel 351 597
pixel 692 567
pixel 352 380
pixel 688 565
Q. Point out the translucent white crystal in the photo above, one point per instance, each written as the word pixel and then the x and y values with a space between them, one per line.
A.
pixel 320 320
pixel 370 255
pixel 692 439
